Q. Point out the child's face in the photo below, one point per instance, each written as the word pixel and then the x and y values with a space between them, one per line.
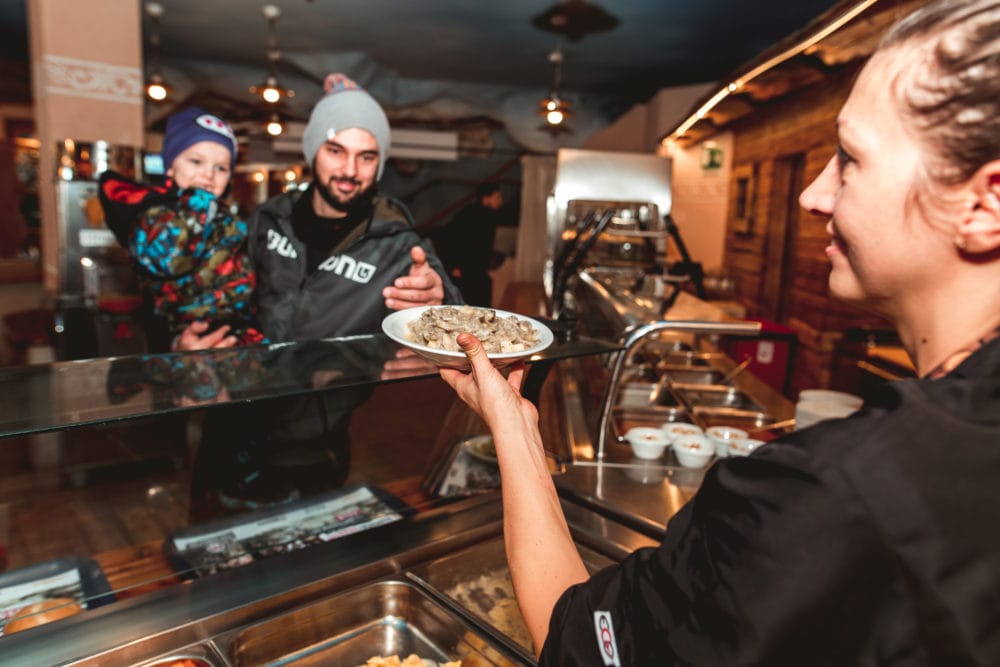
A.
pixel 203 165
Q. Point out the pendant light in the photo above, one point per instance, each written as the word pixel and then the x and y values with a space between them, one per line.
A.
pixel 274 126
pixel 271 91
pixel 156 89
pixel 554 109
pixel 574 19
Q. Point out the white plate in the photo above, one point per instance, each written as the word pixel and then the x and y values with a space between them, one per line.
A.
pixel 394 327
pixel 481 447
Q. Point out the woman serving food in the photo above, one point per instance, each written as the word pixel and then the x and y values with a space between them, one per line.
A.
pixel 866 540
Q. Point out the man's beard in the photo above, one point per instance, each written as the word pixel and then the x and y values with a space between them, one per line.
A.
pixel 361 202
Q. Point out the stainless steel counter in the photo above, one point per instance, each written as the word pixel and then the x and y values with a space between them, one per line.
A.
pixel 665 376
pixel 277 607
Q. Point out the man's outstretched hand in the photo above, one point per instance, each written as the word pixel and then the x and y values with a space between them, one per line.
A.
pixel 422 286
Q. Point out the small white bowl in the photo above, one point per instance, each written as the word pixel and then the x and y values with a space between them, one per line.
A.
pixel 647 443
pixel 721 435
pixel 693 451
pixel 675 430
pixel 743 446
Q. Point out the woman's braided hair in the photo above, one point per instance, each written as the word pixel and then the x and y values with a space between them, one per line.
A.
pixel 952 96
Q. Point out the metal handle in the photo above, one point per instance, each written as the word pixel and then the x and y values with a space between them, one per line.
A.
pixel 635 335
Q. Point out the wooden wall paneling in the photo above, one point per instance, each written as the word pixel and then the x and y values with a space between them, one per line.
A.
pixel 742 194
pixel 810 370
pixel 779 257
pixel 745 268
pixel 795 133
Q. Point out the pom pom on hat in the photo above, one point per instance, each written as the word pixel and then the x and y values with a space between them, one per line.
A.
pixel 191 126
pixel 346 105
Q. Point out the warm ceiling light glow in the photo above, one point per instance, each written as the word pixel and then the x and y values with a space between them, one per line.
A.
pixel 290 175
pixel 803 46
pixel 553 108
pixel 258 177
pixel 270 91
pixel 156 91
pixel 274 127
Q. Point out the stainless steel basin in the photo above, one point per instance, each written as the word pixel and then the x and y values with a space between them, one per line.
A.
pixel 695 376
pixel 477 579
pixel 718 397
pixel 201 655
pixel 663 346
pixel 645 394
pixel 654 351
pixel 640 373
pixel 685 360
pixel 748 420
pixel 382 618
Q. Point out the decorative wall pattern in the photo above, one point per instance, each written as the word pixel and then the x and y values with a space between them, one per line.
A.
pixel 92 79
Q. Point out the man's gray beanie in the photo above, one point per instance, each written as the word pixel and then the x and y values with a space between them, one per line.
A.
pixel 346 106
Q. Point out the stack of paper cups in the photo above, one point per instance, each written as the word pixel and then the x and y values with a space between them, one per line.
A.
pixel 816 405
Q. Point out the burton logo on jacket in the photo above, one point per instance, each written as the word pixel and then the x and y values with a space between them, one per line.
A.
pixel 342 265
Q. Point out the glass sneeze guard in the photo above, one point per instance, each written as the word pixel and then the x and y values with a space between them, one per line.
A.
pixel 35 399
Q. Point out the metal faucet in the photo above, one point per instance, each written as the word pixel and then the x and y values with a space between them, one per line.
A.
pixel 633 336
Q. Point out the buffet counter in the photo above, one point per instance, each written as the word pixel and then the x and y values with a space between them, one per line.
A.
pixel 670 372
pixel 437 586
pixel 156 531
pixel 398 549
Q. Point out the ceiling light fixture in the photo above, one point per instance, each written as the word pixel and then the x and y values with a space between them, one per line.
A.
pixel 574 18
pixel 156 89
pixel 274 126
pixel 554 108
pixel 271 91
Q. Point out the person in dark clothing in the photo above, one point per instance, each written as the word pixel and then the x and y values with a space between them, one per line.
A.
pixel 332 261
pixel 188 246
pixel 862 541
pixel 336 259
pixel 466 245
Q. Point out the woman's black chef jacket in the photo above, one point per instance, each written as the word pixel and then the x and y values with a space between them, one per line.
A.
pixel 869 540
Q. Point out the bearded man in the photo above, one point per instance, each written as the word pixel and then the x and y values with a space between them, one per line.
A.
pixel 336 259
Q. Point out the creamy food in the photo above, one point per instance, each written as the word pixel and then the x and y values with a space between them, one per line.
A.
pixel 438 328
pixel 412 660
pixel 491 596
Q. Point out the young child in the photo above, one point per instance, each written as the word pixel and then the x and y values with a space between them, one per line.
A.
pixel 187 245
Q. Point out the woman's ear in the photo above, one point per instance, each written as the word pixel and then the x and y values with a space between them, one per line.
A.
pixel 979 229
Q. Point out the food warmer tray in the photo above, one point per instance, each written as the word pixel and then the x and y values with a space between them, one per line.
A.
pixel 476 581
pixel 386 617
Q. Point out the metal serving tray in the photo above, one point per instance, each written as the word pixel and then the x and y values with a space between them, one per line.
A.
pixel 748 420
pixel 477 580
pixel 643 394
pixel 717 396
pixel 387 617
pixel 200 655
pixel 698 376
pixel 687 360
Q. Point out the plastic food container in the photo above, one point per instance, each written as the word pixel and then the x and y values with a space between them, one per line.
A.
pixel 647 443
pixel 693 451
pixel 720 437
pixel 743 446
pixel 675 430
